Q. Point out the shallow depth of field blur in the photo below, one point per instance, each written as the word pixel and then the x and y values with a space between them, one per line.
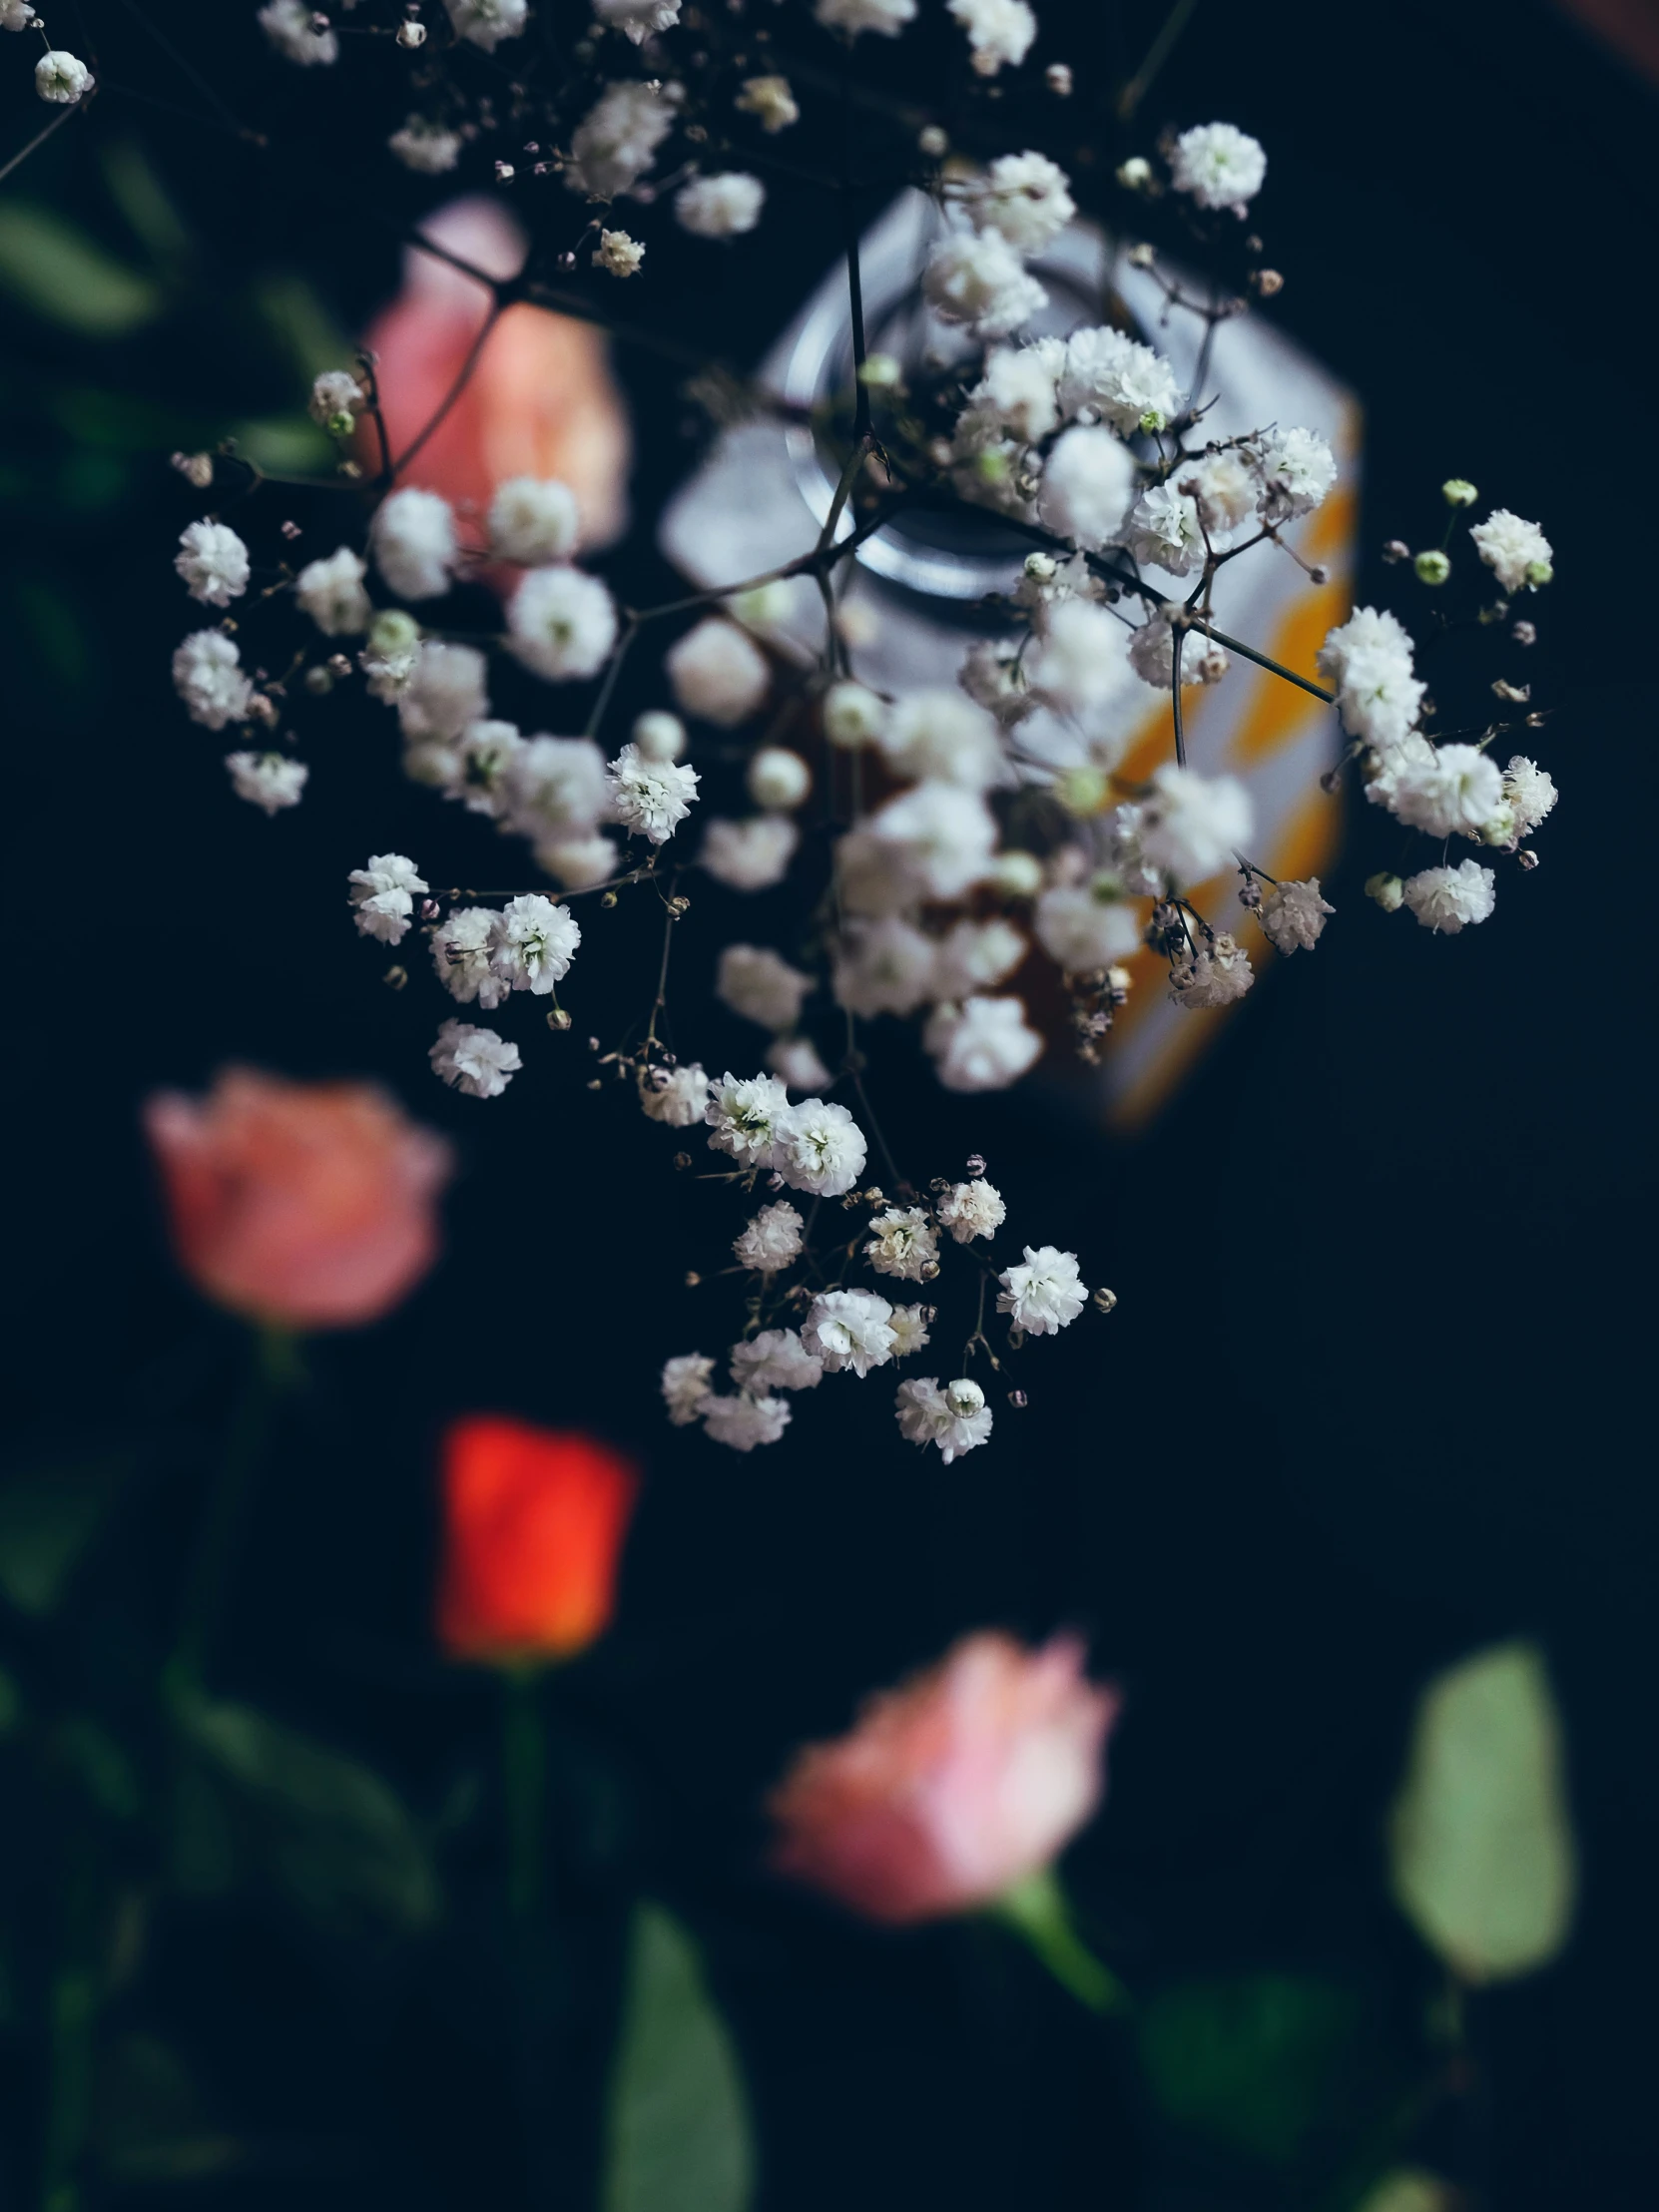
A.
pixel 375 1831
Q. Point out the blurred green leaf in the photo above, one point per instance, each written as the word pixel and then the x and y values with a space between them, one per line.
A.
pixel 1251 2062
pixel 1481 1845
pixel 50 266
pixel 149 2123
pixel 1409 2190
pixel 298 318
pixel 322 1827
pixel 101 1766
pixel 288 445
pixel 48 1514
pixel 145 200
pixel 679 2124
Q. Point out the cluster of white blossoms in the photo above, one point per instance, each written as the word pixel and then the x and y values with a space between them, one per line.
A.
pixel 965 855
pixel 62 79
pixel 806 1320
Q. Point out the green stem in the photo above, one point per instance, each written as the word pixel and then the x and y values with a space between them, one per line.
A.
pixel 272 1367
pixel 1037 1912
pixel 524 1789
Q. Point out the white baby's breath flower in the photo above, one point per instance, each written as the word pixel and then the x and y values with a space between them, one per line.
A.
pixel 686 1386
pixel 212 561
pixel 998 31
pixel 941 735
pixel 479 1062
pixel 426 147
pixel 1218 165
pixel 1087 486
pixel 720 207
pixel 618 254
pixel 1449 900
pixel 771 101
pixel 976 955
pixel 1516 552
pixel 1528 792
pixel 617 140
pixel 955 1418
pixel 819 1148
pixel 888 17
pixel 416 547
pixel 581 864
pixel 1085 927
pixel 910 1330
pixel 777 779
pixel 1194 825
pixel 1297 470
pixel 331 592
pixel 1212 972
pixel 383 896
pixel 561 623
pixel 1023 195
pixel 487 22
pixel 743 1423
pixel 745 1115
pixel 533 520
pixel 637 20
pixel 1452 793
pixel 208 676
pixel 749 856
pixel 1080 663
pixel 717 673
pixel 756 983
pixel 982 1045
pixel 1293 916
pixel 1044 1295
pixel 852 715
pixel 288 26
pixel 797 1062
pixel 16 15
pixel 268 779
pixel 973 1209
pixel 850 1331
pixel 650 798
pixel 902 1244
pixel 680 1100
pixel 943 836
pixel 882 967
pixel 979 279
pixel 555 789
pixel 461 947
pixel 534 942
pixel 1152 654
pixel 771 1241
pixel 1129 385
pixel 775 1360
pixel 1164 531
pixel 443 693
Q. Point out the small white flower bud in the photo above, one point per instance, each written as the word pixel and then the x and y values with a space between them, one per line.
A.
pixel 1431 568
pixel 410 35
pixel 852 715
pixel 1457 491
pixel 932 141
pixel 392 630
pixel 777 779
pixel 659 736
pixel 1016 874
pixel 882 372
pixel 1135 174
pixel 1388 891
pixel 1058 78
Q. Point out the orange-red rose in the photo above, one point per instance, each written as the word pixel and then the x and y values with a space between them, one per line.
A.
pixel 952 1789
pixel 540 401
pixel 305 1205
pixel 535 1522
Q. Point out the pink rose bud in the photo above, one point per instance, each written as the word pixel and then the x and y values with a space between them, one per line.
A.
pixel 305 1205
pixel 953 1789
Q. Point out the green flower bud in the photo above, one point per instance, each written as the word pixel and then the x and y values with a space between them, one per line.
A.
pixel 1457 491
pixel 1431 568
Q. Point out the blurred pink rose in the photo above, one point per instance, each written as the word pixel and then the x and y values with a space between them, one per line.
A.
pixel 952 1788
pixel 541 400
pixel 308 1205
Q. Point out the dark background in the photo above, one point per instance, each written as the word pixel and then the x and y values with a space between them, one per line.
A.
pixel 1375 1392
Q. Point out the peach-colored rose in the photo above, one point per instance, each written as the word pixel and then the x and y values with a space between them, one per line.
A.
pixel 953 1788
pixel 535 1522
pixel 540 401
pixel 308 1205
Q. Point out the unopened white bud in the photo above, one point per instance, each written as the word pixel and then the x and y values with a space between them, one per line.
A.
pixel 932 141
pixel 659 736
pixel 411 35
pixel 1016 874
pixel 777 779
pixel 1388 891
pixel 852 715
pixel 1058 76
pixel 1135 174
